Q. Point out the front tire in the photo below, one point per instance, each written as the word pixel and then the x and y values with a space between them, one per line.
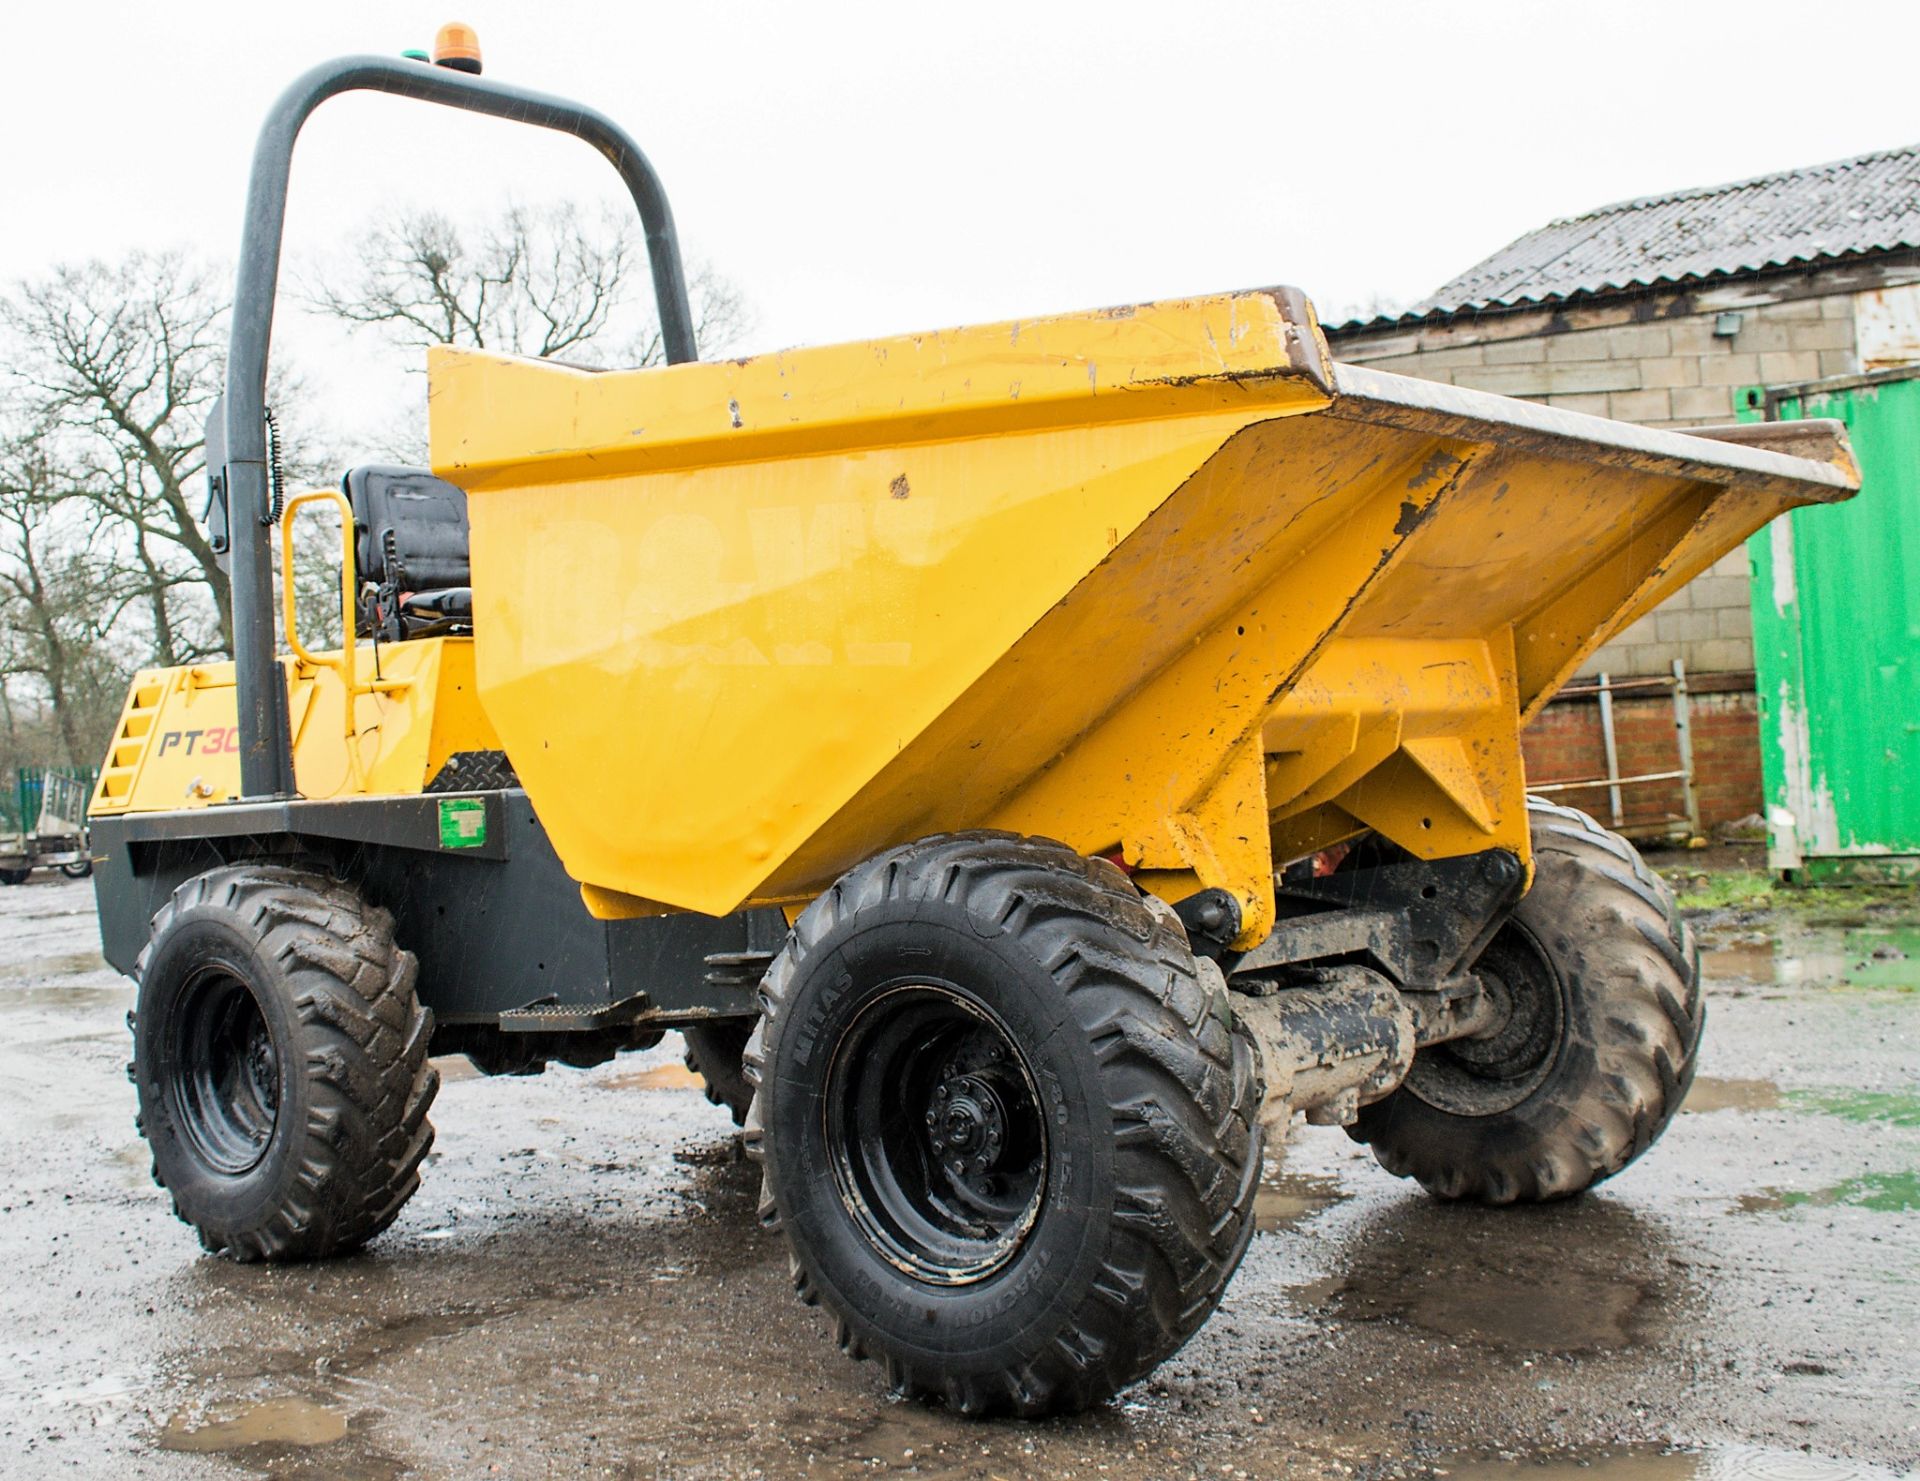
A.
pixel 281 1061
pixel 1006 1122
pixel 1600 977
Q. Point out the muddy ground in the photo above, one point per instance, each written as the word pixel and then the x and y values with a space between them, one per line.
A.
pixel 580 1286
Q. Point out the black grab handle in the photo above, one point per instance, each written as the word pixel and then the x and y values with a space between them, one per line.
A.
pixel 266 756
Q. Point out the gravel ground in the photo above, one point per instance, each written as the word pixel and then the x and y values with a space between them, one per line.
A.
pixel 580 1285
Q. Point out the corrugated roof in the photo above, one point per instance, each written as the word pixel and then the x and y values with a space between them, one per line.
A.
pixel 1843 209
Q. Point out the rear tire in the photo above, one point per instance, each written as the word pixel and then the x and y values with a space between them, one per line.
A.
pixel 1602 980
pixel 281 1061
pixel 1006 1122
pixel 714 1053
pixel 14 876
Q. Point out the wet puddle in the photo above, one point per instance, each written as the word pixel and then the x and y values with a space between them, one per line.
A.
pixel 1886 1107
pixel 908 1439
pixel 1878 1192
pixel 1710 1094
pixel 1881 1107
pixel 660 1077
pixel 1739 962
pixel 1497 1296
pixel 1585 1314
pixel 1284 1199
pixel 274 1422
pixel 454 1068
pixel 1884 958
pixel 75 964
pixel 133 1163
pixel 1313 1294
pixel 79 999
pixel 1650 1463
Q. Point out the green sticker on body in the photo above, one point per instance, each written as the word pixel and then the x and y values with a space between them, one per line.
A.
pixel 463 822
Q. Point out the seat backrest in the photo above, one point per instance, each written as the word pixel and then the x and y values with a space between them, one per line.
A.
pixel 410 528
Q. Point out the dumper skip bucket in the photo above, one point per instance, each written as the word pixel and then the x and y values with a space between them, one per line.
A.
pixel 1162 582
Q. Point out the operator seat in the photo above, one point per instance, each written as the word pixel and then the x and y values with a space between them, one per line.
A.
pixel 410 551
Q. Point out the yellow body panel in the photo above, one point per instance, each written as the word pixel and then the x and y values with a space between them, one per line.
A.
pixel 176 745
pixel 1163 583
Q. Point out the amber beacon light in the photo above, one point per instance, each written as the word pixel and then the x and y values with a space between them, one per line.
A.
pixel 457 46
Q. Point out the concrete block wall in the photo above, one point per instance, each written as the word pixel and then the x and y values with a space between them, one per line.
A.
pixel 1655 359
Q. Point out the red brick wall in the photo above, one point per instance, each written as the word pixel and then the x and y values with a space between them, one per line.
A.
pixel 1564 744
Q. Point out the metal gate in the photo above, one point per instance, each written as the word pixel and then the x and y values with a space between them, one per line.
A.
pixel 21 812
pixel 1836 629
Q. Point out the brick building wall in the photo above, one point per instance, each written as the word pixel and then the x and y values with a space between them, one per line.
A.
pixel 1564 744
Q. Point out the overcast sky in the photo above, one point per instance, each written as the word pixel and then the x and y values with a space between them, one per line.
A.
pixel 861 169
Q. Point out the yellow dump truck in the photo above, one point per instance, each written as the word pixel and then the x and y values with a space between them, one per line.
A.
pixel 1030 763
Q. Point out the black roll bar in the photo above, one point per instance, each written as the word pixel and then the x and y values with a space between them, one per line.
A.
pixel 266 755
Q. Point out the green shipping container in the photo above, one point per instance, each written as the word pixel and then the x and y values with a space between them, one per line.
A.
pixel 1836 636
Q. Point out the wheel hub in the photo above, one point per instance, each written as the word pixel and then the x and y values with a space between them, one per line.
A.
pixel 263 1076
pixel 1498 1067
pixel 950 1193
pixel 225 1082
pixel 967 1124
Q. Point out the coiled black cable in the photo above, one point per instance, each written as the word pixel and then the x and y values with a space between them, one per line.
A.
pixel 276 472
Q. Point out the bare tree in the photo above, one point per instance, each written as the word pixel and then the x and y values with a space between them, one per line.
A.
pixel 109 370
pixel 118 366
pixel 551 283
pixel 57 604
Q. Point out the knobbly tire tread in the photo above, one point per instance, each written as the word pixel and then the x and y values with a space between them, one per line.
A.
pixel 1614 933
pixel 363 1041
pixel 1187 1140
pixel 715 1052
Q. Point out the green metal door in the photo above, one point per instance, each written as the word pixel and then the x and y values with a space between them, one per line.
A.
pixel 1836 630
